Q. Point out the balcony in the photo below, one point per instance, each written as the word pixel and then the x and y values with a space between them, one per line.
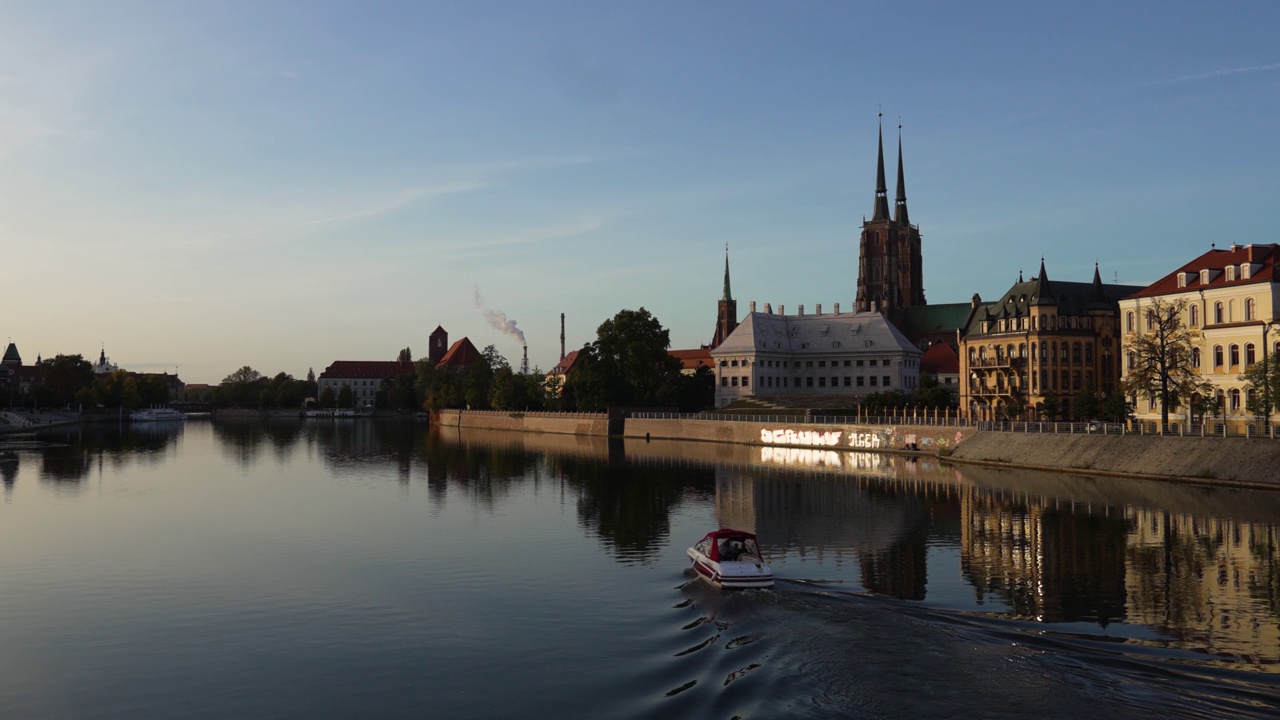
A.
pixel 1000 362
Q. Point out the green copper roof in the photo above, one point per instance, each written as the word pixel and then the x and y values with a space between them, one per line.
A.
pixel 919 319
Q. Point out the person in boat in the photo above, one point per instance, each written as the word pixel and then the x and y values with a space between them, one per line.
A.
pixel 733 551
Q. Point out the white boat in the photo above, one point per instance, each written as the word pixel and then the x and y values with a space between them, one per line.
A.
pixel 156 415
pixel 731 559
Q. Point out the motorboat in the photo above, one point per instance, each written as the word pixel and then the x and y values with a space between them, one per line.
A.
pixel 729 559
pixel 156 415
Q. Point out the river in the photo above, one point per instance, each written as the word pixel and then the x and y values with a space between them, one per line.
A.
pixel 354 568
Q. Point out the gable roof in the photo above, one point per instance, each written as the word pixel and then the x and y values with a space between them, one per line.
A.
pixel 693 359
pixel 564 366
pixel 867 332
pixel 1070 298
pixel 940 359
pixel 461 354
pixel 1261 260
pixel 349 369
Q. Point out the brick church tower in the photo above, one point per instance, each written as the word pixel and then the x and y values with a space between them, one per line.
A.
pixel 726 311
pixel 890 268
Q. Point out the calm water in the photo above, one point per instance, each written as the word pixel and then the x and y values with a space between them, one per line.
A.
pixel 354 569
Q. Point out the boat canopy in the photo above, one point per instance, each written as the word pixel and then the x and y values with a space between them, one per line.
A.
pixel 712 544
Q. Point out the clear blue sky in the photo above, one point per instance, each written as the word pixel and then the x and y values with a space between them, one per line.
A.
pixel 210 185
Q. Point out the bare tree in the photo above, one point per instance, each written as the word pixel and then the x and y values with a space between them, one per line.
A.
pixel 1160 360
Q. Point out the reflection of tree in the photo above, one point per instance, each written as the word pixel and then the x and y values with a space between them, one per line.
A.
pixel 77 447
pixel 245 438
pixel 629 505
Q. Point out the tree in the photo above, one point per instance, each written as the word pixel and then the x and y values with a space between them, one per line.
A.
pixel 1050 407
pixel 1088 406
pixel 346 398
pixel 1115 408
pixel 326 399
pixel 1263 379
pixel 240 388
pixel 62 377
pixel 1160 360
pixel 405 356
pixel 628 364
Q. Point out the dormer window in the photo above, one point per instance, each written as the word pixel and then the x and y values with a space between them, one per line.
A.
pixel 1231 273
pixel 1182 279
pixel 1246 271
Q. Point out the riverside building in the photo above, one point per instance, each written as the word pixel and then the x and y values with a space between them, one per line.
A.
pixel 1227 300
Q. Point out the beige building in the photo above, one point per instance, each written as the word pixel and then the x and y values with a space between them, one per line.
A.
pixel 1039 339
pixel 1230 298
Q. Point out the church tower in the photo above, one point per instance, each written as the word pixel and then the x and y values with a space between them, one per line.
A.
pixel 727 310
pixel 890 267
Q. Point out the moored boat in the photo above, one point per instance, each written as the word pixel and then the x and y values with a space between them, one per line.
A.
pixel 729 559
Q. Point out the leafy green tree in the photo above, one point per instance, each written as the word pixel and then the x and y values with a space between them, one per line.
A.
pixel 62 377
pixel 1115 408
pixel 1161 359
pixel 1263 379
pixel 346 397
pixel 241 388
pixel 1087 405
pixel 1050 407
pixel 326 399
pixel 405 356
pixel 627 364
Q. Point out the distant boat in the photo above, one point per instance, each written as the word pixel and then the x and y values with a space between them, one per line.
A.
pixel 156 415
pixel 731 559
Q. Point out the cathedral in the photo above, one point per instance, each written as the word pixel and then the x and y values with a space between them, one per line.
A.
pixel 890 267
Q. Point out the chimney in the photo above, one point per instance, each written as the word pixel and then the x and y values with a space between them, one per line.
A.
pixel 1234 247
pixel 837 310
pixel 752 305
pixel 526 350
pixel 768 308
pixel 801 312
pixel 782 310
pixel 817 309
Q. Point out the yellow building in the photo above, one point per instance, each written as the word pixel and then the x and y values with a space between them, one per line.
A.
pixel 1229 301
pixel 1040 339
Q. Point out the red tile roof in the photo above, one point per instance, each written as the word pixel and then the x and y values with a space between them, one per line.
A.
pixel 693 359
pixel 461 354
pixel 940 359
pixel 1262 258
pixel 564 366
pixel 346 369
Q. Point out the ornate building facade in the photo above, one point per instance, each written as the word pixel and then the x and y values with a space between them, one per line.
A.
pixel 1039 340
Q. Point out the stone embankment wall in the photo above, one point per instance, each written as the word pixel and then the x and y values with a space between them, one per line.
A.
pixel 1212 460
pixel 567 423
pixel 927 438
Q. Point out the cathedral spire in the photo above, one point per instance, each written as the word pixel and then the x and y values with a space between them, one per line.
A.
pixel 900 204
pixel 727 294
pixel 882 192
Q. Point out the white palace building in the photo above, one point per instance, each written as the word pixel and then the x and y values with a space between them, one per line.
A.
pixel 851 353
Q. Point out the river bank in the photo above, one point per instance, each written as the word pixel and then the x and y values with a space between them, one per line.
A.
pixel 1233 461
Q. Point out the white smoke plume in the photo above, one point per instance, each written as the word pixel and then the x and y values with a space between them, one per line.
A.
pixel 498 320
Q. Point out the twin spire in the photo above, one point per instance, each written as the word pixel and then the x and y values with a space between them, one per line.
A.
pixel 881 213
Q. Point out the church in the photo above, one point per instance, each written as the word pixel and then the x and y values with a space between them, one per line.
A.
pixel 887 327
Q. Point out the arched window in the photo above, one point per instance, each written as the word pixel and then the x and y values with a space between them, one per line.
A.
pixel 1132 360
pixel 1195 357
pixel 972 355
pixel 1194 313
pixel 1022 350
pixel 1250 355
pixel 982 353
pixel 1217 312
pixel 1249 308
pixel 1128 321
pixel 1235 399
pixel 1217 354
pixel 1235 354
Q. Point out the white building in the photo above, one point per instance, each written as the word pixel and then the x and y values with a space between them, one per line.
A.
pixel 836 354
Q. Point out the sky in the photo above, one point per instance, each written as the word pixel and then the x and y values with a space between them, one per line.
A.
pixel 196 187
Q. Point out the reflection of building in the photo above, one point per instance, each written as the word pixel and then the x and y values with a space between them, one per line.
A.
pixel 1213 581
pixel 1056 566
pixel 1230 297
pixel 1039 339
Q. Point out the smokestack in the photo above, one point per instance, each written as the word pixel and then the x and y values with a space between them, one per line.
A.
pixel 561 337
pixel 524 362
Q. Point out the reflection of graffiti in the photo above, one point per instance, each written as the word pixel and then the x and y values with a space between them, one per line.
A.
pixel 820 458
pixel 865 440
pixel 959 437
pixel 926 442
pixel 802 437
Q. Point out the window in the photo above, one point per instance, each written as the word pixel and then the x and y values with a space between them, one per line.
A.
pixel 1088 353
pixel 886 381
pixel 822 382
pixel 1194 313
pixel 1064 351
pixel 733 363
pixel 822 363
pixel 873 381
pixel 1128 321
pixel 860 379
pixel 1250 354
pixel 1217 356
pixel 846 380
pixel 1195 357
pixel 746 381
pixel 724 381
pixel 1075 352
pixel 1235 399
pixel 1249 309
pixel 1217 312
pixel 808 382
pixel 733 382
pixel 1235 354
